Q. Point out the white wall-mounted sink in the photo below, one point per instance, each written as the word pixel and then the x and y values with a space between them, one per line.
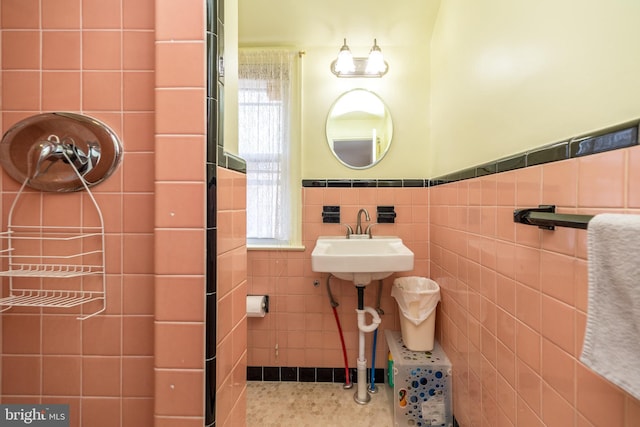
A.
pixel 361 260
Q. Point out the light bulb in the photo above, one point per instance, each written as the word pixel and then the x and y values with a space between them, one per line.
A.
pixel 344 63
pixel 375 62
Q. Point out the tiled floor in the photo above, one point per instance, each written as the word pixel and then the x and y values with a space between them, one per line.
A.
pixel 298 404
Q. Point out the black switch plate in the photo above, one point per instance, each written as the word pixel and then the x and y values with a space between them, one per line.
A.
pixel 386 214
pixel 331 214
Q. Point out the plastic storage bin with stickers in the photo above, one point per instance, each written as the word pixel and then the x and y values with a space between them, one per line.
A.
pixel 420 372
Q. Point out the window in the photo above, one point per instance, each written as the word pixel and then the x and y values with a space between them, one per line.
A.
pixel 268 117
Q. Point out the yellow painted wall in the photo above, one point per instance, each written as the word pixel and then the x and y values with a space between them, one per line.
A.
pixel 318 28
pixel 231 76
pixel 510 75
pixel 497 78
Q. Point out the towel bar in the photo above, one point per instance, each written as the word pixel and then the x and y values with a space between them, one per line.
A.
pixel 544 217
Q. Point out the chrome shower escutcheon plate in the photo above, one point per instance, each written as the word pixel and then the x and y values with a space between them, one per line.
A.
pixel 51 150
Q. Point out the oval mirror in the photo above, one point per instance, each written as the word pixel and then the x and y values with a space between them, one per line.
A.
pixel 359 128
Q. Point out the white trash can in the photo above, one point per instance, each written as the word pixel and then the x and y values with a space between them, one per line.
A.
pixel 417 298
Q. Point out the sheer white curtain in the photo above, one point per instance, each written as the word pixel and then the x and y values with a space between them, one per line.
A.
pixel 265 91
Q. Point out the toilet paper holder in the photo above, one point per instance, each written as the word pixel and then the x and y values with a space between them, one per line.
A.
pixel 264 305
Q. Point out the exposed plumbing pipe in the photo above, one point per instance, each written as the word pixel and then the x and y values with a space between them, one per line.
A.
pixel 362 325
pixel 372 383
pixel 334 304
pixel 361 395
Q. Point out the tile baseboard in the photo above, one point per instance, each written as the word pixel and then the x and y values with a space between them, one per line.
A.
pixel 304 374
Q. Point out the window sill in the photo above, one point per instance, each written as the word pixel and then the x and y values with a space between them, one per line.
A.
pixel 272 245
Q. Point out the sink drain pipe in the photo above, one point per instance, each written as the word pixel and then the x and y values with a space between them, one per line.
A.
pixel 361 396
pixel 334 304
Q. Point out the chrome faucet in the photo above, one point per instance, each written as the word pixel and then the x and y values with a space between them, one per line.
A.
pixel 359 220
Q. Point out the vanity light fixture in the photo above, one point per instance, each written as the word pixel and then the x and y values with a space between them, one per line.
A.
pixel 346 65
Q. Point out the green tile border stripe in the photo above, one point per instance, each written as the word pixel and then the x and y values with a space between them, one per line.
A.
pixel 615 137
pixel 231 161
pixel 363 183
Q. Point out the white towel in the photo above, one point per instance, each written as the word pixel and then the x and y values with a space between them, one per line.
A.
pixel 612 340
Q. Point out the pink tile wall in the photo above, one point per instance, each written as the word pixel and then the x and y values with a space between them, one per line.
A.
pixel 300 321
pixel 231 349
pixel 78 55
pixel 179 214
pixel 513 313
pixel 112 60
pixel 1 175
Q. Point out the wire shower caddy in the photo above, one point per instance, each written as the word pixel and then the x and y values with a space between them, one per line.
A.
pixel 54 266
